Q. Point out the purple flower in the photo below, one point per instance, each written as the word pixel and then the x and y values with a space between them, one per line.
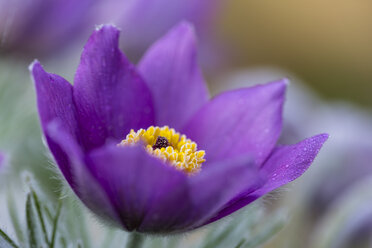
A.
pixel 138 188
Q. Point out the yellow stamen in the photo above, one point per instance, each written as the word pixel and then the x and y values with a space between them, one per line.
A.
pixel 168 145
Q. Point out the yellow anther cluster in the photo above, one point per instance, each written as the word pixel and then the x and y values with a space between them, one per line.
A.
pixel 181 152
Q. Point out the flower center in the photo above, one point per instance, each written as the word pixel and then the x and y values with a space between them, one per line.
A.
pixel 161 142
pixel 168 145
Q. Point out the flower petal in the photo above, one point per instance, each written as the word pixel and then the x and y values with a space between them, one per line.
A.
pixel 83 183
pixel 54 101
pixel 138 184
pixel 244 121
pixel 111 98
pixel 207 192
pixel 171 71
pixel 284 165
pixel 219 184
pixel 287 163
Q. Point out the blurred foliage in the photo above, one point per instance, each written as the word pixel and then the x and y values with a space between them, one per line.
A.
pixel 349 224
pixel 20 135
pixel 46 222
pixel 326 43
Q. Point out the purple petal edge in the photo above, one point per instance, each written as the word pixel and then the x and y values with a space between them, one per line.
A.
pixel 285 164
pixel 138 185
pixel 83 183
pixel 221 182
pixel 110 96
pixel 170 69
pixel 240 122
pixel 54 102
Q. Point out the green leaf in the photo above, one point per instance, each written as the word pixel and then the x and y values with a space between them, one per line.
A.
pixel 48 214
pixel 76 230
pixel 230 231
pixel 5 241
pixel 79 245
pixel 31 224
pixel 63 242
pixel 14 218
pixel 264 235
pixel 213 242
pixel 55 225
pixel 240 243
pixel 40 215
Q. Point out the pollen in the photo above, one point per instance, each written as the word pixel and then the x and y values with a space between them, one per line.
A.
pixel 168 145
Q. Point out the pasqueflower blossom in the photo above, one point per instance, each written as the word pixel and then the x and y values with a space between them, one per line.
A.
pixel 145 148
